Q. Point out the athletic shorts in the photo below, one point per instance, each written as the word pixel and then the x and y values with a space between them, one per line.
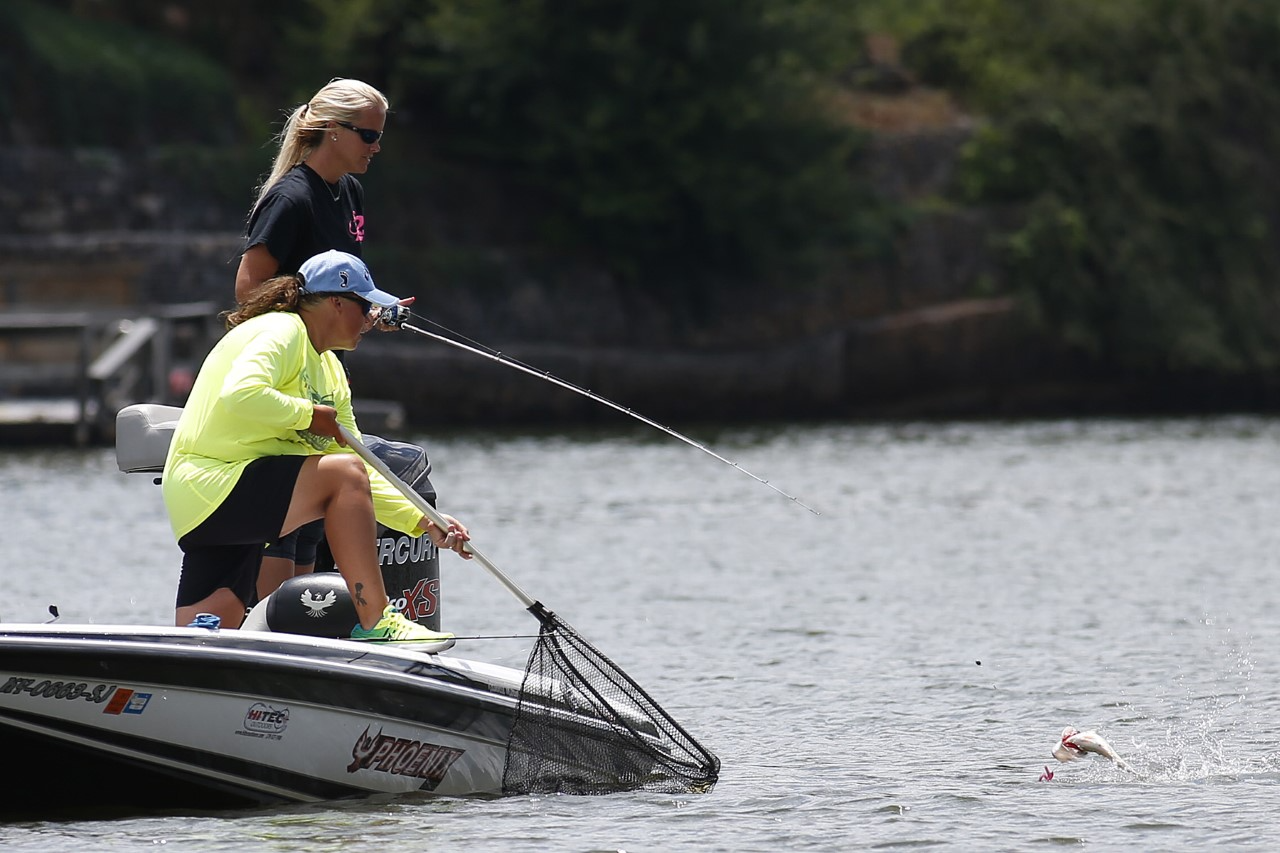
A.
pixel 226 548
pixel 299 547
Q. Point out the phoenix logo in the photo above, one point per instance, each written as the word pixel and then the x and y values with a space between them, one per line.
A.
pixel 317 605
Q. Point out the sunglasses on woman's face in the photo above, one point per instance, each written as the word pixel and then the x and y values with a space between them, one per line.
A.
pixel 365 306
pixel 367 136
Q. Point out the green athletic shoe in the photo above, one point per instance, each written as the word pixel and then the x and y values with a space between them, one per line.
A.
pixel 393 627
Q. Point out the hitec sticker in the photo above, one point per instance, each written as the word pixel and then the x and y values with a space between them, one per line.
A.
pixel 264 721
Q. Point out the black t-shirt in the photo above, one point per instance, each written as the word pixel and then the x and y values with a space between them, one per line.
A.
pixel 299 218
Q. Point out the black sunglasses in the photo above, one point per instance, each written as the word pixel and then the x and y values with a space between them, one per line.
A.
pixel 367 136
pixel 366 305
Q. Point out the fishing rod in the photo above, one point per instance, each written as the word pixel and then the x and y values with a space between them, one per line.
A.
pixel 398 316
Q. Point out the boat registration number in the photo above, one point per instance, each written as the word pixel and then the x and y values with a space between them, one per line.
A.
pixel 49 689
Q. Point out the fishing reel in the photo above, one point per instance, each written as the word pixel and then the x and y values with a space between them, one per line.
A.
pixel 394 316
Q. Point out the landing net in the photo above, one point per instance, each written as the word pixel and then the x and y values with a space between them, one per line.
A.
pixel 583 726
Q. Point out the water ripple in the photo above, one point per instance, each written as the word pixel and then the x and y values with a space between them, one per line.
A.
pixel 890 675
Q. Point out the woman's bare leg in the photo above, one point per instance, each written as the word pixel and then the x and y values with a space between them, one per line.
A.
pixel 336 488
pixel 222 603
pixel 273 572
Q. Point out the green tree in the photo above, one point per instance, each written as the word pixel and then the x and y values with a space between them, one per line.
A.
pixel 1135 140
pixel 674 140
pixel 102 81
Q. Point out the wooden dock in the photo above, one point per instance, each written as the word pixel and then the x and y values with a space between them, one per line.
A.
pixel 65 374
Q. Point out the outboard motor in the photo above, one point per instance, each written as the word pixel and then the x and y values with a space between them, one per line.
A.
pixel 319 604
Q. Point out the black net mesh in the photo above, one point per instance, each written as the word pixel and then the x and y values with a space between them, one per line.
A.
pixel 584 727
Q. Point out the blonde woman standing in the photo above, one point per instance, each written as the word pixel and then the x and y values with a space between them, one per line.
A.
pixel 311 203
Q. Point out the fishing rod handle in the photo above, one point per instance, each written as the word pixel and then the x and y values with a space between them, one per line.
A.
pixel 394 316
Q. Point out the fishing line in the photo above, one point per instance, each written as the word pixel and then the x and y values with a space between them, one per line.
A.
pixel 399 316
pixel 496 637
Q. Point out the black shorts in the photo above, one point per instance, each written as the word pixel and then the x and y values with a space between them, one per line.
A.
pixel 226 548
pixel 300 546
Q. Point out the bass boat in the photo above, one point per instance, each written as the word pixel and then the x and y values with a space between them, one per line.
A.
pixel 111 718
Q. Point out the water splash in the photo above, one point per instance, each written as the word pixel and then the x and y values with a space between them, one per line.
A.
pixel 1197 731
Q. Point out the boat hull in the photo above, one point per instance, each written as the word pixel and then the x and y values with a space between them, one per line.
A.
pixel 112 717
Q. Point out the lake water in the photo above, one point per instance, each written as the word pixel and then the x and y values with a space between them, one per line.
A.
pixel 890 674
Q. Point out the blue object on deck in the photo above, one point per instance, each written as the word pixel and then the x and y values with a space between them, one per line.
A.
pixel 206 620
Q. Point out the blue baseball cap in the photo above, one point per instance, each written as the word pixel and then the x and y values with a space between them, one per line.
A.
pixel 339 272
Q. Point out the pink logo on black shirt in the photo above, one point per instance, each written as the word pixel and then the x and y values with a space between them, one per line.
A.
pixel 356 228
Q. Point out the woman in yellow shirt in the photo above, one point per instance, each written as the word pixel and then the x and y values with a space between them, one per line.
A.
pixel 257 451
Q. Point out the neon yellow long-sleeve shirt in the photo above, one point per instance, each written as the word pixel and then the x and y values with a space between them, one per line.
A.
pixel 253 397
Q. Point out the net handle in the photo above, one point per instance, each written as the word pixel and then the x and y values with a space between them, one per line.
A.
pixel 376 463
